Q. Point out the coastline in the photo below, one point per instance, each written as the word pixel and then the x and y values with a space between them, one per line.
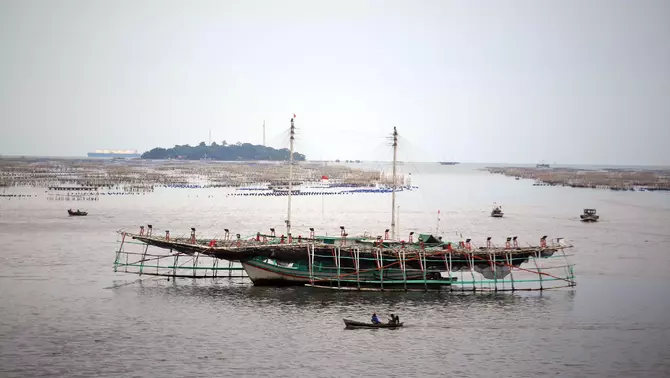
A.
pixel 607 178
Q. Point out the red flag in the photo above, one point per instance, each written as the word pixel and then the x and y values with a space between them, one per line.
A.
pixel 293 115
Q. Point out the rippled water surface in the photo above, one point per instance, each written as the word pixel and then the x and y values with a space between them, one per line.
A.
pixel 64 312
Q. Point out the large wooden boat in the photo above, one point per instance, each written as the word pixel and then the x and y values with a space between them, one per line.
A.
pixel 353 263
pixel 76 213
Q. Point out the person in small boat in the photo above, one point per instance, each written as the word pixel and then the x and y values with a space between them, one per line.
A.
pixel 391 319
pixel 375 319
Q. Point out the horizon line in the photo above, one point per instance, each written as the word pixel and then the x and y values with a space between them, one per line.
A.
pixel 56 157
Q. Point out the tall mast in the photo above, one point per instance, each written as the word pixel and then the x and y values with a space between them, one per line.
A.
pixel 263 132
pixel 290 178
pixel 210 137
pixel 395 157
pixel 397 223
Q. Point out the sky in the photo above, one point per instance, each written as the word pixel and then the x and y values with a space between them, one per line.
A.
pixel 565 81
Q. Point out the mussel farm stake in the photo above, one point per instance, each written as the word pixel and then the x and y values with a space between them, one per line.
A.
pixel 508 257
pixel 381 265
pixel 539 273
pixel 174 267
pixel 495 274
pixel 143 258
pixel 338 252
pixel 357 253
pixel 403 265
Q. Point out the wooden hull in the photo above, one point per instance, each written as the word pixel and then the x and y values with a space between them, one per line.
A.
pixel 497 215
pixel 77 214
pixel 266 274
pixel 352 324
pixel 262 275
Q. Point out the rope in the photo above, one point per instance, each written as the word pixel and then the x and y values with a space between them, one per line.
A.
pixel 526 270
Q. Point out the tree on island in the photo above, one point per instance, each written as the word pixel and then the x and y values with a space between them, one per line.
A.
pixel 224 152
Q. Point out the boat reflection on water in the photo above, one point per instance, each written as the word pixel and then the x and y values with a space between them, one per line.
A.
pixel 242 294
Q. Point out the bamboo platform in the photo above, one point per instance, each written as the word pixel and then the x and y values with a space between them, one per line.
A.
pixel 480 269
pixel 239 249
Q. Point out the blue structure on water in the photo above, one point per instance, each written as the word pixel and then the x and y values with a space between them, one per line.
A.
pixel 128 154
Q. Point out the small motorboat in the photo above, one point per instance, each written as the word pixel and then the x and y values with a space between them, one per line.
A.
pixel 497 212
pixel 76 213
pixel 352 324
pixel 589 215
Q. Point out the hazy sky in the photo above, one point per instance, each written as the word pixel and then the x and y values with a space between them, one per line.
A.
pixel 475 81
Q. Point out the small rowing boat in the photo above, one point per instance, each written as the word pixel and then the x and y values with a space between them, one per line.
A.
pixel 352 324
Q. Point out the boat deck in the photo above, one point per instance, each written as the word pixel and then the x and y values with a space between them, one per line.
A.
pixel 241 249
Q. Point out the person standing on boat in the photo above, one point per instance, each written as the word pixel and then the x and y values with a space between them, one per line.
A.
pixel 375 319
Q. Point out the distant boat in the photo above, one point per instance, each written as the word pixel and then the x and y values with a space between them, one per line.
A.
pixel 497 212
pixel 542 165
pixel 589 215
pixel 76 213
pixel 352 324
pixel 449 162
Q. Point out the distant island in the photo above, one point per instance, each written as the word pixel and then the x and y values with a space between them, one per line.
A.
pixel 223 152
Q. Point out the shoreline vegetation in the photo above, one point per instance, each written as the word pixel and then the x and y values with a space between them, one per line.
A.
pixel 222 152
pixel 613 179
